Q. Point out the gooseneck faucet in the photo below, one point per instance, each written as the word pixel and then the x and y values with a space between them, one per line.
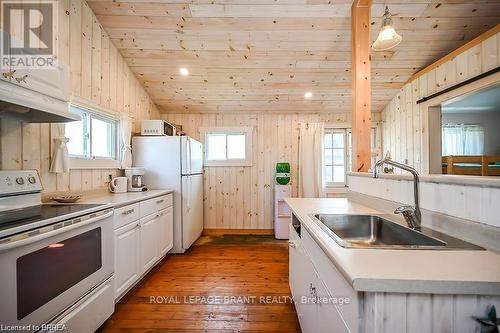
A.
pixel 411 214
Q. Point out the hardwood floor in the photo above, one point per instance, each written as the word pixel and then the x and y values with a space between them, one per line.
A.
pixel 175 296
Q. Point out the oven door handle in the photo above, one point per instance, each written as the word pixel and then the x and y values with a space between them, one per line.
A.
pixel 45 234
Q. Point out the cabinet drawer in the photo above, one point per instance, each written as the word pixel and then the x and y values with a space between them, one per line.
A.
pixel 155 205
pixel 125 215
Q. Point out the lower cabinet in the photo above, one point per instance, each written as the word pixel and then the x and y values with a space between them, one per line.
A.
pixel 317 310
pixel 150 247
pixel 166 224
pixel 127 243
pixel 140 244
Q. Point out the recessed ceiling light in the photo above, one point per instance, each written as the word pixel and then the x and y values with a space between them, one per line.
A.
pixel 308 94
pixel 184 71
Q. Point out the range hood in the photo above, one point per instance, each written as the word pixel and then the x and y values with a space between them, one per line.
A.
pixel 32 107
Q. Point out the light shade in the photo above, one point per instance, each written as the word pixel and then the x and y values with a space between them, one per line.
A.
pixel 388 37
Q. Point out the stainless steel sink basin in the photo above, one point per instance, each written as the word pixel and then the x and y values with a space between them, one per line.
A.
pixel 372 231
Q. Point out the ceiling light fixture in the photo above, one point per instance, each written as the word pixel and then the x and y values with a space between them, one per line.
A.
pixel 388 37
pixel 308 95
pixel 184 71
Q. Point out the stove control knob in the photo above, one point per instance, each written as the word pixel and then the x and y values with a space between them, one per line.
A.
pixel 20 180
pixel 32 180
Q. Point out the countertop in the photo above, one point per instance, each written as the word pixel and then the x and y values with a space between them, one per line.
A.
pixel 122 199
pixel 402 271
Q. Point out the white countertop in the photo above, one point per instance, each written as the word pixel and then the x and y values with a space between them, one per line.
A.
pixel 407 271
pixel 122 199
pixel 490 181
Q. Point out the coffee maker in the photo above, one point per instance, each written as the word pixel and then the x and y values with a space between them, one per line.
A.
pixel 135 179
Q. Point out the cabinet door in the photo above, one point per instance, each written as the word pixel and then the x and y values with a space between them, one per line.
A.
pixel 166 233
pixel 149 241
pixel 127 241
pixel 302 281
pixel 327 314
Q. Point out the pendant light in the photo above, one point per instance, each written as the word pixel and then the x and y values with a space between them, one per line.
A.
pixel 388 37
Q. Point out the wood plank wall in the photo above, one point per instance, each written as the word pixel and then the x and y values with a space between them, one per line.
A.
pixel 99 75
pixel 242 197
pixel 402 123
pixel 390 312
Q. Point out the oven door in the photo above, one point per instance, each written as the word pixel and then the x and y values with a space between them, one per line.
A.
pixel 44 271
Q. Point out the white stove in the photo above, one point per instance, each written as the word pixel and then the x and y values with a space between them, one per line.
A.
pixel 56 260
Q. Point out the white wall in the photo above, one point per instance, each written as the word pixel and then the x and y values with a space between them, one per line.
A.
pixel 476 203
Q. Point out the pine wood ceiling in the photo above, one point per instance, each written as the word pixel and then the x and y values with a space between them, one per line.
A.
pixel 262 55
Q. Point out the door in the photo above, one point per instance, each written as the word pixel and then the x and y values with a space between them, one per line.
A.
pixel 149 241
pixel 192 156
pixel 192 209
pixel 127 244
pixel 166 230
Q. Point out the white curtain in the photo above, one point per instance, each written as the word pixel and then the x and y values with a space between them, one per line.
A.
pixel 311 160
pixel 473 140
pixel 460 139
pixel 126 133
pixel 60 159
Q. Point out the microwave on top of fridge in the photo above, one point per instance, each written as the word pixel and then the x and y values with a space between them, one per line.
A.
pixel 159 127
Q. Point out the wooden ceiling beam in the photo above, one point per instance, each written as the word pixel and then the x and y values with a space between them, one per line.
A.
pixel 361 85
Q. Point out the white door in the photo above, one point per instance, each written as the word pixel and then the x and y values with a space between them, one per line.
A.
pixel 192 209
pixel 166 230
pixel 149 241
pixel 127 240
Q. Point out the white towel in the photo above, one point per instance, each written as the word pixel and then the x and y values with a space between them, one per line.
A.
pixel 60 159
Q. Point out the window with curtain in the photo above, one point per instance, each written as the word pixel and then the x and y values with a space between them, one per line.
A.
pixel 462 139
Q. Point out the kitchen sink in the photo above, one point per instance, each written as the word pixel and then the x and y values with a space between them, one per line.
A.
pixel 373 231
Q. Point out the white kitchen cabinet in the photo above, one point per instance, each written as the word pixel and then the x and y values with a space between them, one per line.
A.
pixel 166 230
pixel 143 235
pixel 127 243
pixel 315 306
pixel 150 250
pixel 53 82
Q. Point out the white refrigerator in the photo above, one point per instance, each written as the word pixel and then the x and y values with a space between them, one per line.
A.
pixel 175 162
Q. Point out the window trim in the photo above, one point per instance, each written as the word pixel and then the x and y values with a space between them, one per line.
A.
pixel 246 130
pixel 83 162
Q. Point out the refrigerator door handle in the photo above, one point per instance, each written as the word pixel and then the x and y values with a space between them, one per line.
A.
pixel 188 202
pixel 188 156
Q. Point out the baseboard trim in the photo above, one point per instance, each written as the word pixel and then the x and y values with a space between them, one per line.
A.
pixel 220 232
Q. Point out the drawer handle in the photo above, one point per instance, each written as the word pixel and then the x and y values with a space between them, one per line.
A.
pixel 127 212
pixel 160 201
pixel 291 243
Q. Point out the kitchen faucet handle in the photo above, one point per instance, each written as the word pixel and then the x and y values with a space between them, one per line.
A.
pixel 404 208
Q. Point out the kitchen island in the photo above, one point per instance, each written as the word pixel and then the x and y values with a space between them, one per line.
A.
pixel 383 290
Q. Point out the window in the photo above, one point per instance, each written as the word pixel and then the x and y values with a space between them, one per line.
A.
pixel 227 146
pixel 460 139
pixel 338 155
pixel 95 136
pixel 335 157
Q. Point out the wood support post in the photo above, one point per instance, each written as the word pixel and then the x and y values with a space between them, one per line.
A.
pixel 361 85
